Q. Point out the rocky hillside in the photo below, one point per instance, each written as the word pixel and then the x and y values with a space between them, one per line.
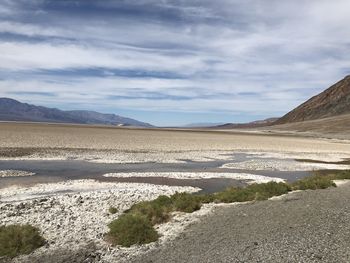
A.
pixel 332 102
pixel 13 110
pixel 254 124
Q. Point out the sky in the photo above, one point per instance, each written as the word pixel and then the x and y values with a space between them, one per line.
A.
pixel 173 62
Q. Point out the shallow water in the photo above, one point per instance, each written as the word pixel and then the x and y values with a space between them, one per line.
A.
pixel 58 171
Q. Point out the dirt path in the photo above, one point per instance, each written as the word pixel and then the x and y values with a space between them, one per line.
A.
pixel 309 226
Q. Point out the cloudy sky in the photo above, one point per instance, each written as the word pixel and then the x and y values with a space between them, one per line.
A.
pixel 173 62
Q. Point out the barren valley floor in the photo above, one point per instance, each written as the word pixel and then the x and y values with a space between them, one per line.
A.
pixel 72 212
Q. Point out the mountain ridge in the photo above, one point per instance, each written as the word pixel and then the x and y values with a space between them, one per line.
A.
pixel 253 124
pixel 331 102
pixel 13 110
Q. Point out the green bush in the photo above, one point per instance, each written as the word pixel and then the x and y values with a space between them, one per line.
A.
pixel 19 239
pixel 252 192
pixel 163 200
pixel 112 210
pixel 268 190
pixel 321 180
pixel 206 198
pixel 156 211
pixel 234 194
pixel 130 229
pixel 186 202
pixel 340 175
pixel 313 183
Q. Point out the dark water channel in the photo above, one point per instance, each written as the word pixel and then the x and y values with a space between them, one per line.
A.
pixel 58 171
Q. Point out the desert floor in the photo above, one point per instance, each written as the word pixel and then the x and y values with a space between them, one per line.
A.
pixel 72 212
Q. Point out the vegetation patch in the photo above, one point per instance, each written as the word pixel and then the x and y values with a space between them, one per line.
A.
pixel 156 211
pixel 130 229
pixel 346 161
pixel 186 202
pixel 136 225
pixel 112 210
pixel 340 175
pixel 313 182
pixel 320 180
pixel 19 240
pixel 252 192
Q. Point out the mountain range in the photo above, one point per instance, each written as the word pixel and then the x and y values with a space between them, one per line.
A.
pixel 202 124
pixel 13 110
pixel 326 112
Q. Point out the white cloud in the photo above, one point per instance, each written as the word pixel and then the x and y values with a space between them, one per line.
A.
pixel 35 56
pixel 252 52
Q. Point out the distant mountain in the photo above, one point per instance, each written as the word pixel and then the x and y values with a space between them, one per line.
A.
pixel 13 110
pixel 254 124
pixel 203 124
pixel 332 102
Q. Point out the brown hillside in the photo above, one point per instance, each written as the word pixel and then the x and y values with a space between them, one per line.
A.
pixel 254 124
pixel 331 127
pixel 332 102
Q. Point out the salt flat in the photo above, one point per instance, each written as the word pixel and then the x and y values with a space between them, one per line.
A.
pixel 29 135
pixel 75 213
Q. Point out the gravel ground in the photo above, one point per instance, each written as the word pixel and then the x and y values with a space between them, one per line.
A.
pixel 308 226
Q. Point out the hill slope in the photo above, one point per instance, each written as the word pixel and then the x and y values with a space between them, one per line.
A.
pixel 332 127
pixel 13 110
pixel 254 124
pixel 332 102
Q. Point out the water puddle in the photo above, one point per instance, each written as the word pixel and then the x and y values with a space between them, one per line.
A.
pixel 59 171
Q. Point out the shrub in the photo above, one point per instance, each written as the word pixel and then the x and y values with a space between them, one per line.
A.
pixel 163 200
pixel 112 210
pixel 19 239
pixel 313 183
pixel 186 202
pixel 206 198
pixel 156 211
pixel 234 194
pixel 268 190
pixel 252 192
pixel 341 175
pixel 131 229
